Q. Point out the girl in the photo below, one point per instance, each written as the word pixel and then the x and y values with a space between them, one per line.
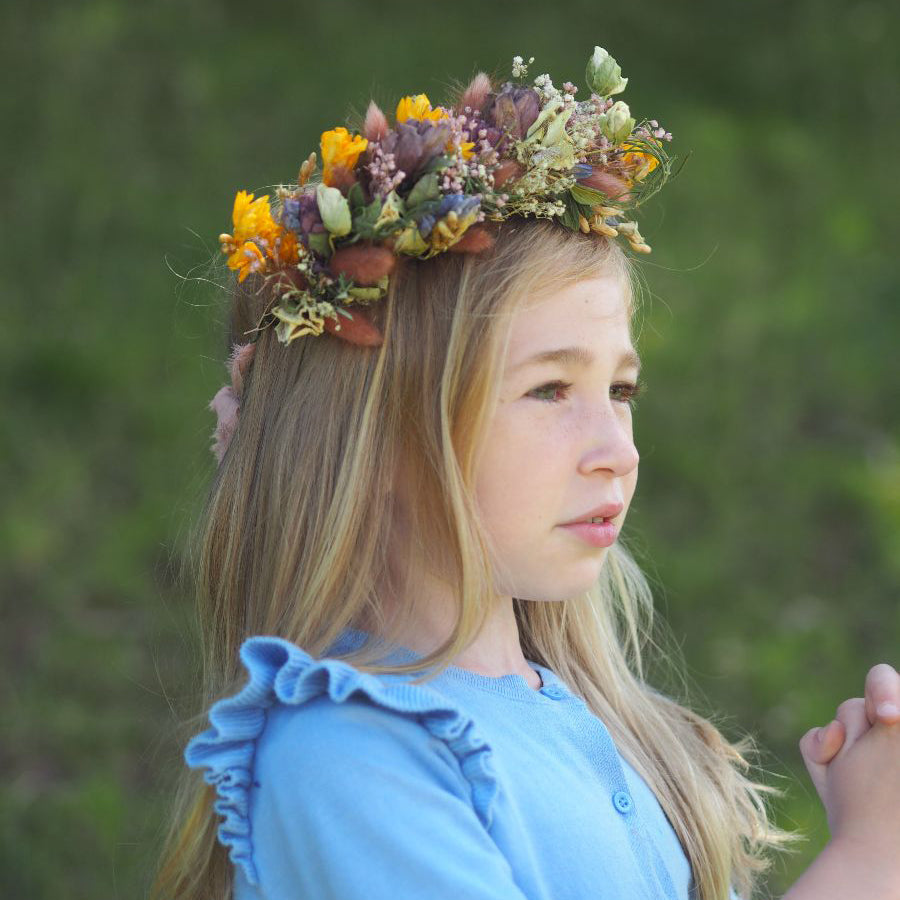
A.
pixel 422 633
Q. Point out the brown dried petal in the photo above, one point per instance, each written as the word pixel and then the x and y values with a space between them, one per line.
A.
pixel 505 115
pixel 528 105
pixel 611 185
pixel 507 170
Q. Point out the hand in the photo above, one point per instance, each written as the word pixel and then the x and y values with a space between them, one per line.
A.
pixel 855 717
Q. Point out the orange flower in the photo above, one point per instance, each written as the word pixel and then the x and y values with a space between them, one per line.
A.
pixel 257 237
pixel 246 259
pixel 287 250
pixel 418 107
pixel 339 148
pixel 251 218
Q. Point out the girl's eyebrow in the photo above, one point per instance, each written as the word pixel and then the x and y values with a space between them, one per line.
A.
pixel 577 356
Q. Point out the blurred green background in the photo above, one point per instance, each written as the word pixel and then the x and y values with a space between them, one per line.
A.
pixel 768 511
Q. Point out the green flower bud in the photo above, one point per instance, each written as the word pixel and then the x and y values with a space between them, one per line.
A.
pixel 616 123
pixel 544 123
pixel 334 210
pixel 604 76
pixel 409 241
pixel 552 144
pixel 391 210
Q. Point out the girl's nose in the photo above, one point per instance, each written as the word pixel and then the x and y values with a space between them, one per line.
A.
pixel 614 450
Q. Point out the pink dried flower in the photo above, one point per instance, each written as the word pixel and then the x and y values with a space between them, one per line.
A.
pixel 227 400
pixel 477 91
pixel 376 125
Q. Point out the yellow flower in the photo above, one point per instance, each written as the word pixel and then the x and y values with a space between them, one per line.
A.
pixel 638 162
pixel 257 237
pixel 251 218
pixel 339 148
pixel 450 229
pixel 418 107
pixel 246 259
pixel 465 147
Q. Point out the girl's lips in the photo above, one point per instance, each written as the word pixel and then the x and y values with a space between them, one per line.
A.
pixel 599 534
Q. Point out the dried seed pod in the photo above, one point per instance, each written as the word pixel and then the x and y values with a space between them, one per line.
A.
pixel 306 170
pixel 598 226
pixel 365 264
pixel 359 330
pixel 477 239
pixel 614 187
pixel 507 171
pixel 476 93
pixel 376 125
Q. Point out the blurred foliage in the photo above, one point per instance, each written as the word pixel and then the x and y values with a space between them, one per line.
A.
pixel 769 505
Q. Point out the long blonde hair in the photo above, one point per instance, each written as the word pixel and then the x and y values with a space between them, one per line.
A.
pixel 286 544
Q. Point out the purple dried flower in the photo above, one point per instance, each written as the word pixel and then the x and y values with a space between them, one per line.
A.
pixel 301 214
pixel 461 204
pixel 290 214
pixel 582 170
pixel 414 144
pixel 513 110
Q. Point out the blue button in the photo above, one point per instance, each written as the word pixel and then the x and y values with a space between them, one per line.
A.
pixel 552 691
pixel 622 802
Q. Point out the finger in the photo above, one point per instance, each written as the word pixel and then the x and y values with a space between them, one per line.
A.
pixel 818 747
pixel 852 715
pixel 829 741
pixel 883 694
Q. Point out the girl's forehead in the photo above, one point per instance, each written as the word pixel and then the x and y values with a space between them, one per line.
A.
pixel 584 311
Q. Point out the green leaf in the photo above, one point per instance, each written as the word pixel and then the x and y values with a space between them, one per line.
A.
pixel 426 188
pixel 415 214
pixel 439 162
pixel 355 197
pixel 588 196
pixel 573 210
pixel 603 75
pixel 319 243
pixel 365 219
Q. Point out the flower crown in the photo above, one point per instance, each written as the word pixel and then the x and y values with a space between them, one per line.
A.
pixel 435 181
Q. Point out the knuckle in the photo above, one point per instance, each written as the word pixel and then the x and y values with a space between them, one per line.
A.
pixel 849 707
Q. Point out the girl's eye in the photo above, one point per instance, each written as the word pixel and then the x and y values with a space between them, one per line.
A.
pixel 628 392
pixel 561 387
pixel 624 392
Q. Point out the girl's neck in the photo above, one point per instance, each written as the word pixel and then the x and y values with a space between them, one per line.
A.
pixel 495 652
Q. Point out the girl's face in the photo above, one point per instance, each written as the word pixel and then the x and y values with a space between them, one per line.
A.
pixel 560 443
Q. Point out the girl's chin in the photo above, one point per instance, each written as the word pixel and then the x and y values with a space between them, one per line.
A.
pixel 577 582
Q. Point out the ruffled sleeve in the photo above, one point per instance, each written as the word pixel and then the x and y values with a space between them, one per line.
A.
pixel 312 755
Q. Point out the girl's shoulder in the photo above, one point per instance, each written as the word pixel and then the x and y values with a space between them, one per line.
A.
pixel 299 719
